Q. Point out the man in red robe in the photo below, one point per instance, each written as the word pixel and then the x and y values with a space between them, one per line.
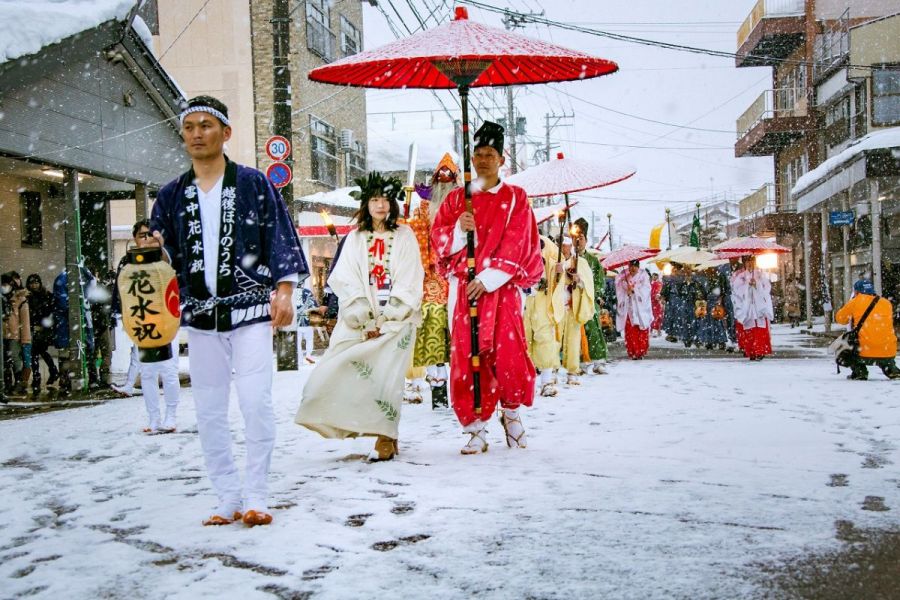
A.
pixel 507 260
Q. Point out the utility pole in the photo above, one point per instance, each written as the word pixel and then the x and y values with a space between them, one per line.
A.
pixel 668 229
pixel 514 21
pixel 511 120
pixel 610 231
pixel 285 341
pixel 550 126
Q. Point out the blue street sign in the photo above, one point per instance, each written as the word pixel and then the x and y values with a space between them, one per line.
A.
pixel 840 217
pixel 279 174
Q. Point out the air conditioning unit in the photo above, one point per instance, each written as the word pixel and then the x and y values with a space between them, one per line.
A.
pixel 346 139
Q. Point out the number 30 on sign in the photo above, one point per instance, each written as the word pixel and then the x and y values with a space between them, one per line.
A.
pixel 278 147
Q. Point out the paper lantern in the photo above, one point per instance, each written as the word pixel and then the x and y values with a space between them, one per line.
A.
pixel 151 306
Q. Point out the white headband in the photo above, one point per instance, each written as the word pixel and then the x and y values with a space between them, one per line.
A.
pixel 206 109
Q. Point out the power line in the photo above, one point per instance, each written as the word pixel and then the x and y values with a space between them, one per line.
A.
pixel 632 39
pixel 197 14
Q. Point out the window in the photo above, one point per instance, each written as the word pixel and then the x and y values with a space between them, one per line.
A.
pixel 790 173
pixel 319 38
pixel 323 147
pixel 30 211
pixel 886 95
pixel 837 122
pixel 357 161
pixel 859 116
pixel 350 41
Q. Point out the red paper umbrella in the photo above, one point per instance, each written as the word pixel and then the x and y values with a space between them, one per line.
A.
pixel 567 176
pixel 462 55
pixel 626 254
pixel 745 246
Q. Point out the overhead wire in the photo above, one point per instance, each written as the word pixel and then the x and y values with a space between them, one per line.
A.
pixel 181 33
pixel 634 39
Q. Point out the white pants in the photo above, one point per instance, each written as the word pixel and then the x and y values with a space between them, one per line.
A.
pixel 247 351
pixel 134 367
pixel 546 376
pixel 305 336
pixel 167 370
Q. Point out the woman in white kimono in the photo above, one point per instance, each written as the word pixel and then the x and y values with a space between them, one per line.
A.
pixel 634 309
pixel 357 387
pixel 751 293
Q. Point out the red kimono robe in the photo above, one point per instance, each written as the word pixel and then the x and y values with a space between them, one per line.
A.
pixel 506 244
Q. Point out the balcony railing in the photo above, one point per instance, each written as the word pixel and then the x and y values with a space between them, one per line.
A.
pixel 832 48
pixel 765 201
pixel 764 9
pixel 760 202
pixel 773 104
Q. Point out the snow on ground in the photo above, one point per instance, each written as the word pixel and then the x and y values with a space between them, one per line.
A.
pixel 665 478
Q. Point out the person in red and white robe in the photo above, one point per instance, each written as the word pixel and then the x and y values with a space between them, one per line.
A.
pixel 751 295
pixel 634 313
pixel 507 260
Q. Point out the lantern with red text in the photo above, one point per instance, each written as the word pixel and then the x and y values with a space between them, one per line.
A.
pixel 151 311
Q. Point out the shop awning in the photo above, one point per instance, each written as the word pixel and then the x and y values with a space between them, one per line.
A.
pixel 845 169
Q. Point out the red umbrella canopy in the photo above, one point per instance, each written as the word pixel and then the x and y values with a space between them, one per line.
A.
pixel 743 246
pixel 462 52
pixel 568 175
pixel 626 254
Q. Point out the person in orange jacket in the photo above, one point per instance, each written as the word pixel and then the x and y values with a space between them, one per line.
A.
pixel 877 340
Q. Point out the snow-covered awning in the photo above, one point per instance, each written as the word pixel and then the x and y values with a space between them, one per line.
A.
pixel 27 27
pixel 340 198
pixel 841 170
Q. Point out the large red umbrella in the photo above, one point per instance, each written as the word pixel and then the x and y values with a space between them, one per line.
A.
pixel 744 246
pixel 462 54
pixel 624 255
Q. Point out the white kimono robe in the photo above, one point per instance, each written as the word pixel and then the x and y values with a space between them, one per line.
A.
pixel 636 305
pixel 357 387
pixel 752 303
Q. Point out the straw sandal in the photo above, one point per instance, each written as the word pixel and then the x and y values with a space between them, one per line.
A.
pixel 513 441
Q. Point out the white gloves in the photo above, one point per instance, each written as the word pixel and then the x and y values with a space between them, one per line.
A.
pixel 395 310
pixel 357 314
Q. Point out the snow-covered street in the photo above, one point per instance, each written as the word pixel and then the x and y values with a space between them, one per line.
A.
pixel 666 478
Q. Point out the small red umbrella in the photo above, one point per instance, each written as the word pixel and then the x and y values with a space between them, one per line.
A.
pixel 567 176
pixel 462 54
pixel 626 254
pixel 747 246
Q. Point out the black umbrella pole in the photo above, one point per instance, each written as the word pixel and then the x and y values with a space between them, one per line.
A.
pixel 470 252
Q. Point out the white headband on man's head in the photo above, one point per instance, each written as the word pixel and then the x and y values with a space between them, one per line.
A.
pixel 207 109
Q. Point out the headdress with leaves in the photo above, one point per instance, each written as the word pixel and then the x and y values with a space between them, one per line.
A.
pixel 375 184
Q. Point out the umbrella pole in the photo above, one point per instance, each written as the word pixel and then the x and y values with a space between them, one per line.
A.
pixel 470 251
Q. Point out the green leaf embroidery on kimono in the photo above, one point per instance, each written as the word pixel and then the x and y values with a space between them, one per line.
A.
pixel 403 344
pixel 389 411
pixel 363 369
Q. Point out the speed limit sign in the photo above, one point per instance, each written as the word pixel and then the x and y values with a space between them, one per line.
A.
pixel 278 147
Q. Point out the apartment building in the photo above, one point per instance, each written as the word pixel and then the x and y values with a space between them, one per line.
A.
pixel 856 189
pixel 801 41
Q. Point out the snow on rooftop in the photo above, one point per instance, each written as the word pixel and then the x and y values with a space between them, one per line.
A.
pixel 389 150
pixel 26 27
pixel 883 138
pixel 339 197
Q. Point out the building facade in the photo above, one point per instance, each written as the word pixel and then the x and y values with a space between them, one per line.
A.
pixel 802 41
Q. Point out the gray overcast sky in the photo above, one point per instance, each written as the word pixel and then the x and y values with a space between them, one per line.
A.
pixel 695 90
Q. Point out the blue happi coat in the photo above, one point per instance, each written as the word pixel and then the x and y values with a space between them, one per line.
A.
pixel 265 245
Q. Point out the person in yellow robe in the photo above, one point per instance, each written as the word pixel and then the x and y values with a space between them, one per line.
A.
pixel 543 313
pixel 574 289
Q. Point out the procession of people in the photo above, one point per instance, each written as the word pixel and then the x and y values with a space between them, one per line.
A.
pixel 412 296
